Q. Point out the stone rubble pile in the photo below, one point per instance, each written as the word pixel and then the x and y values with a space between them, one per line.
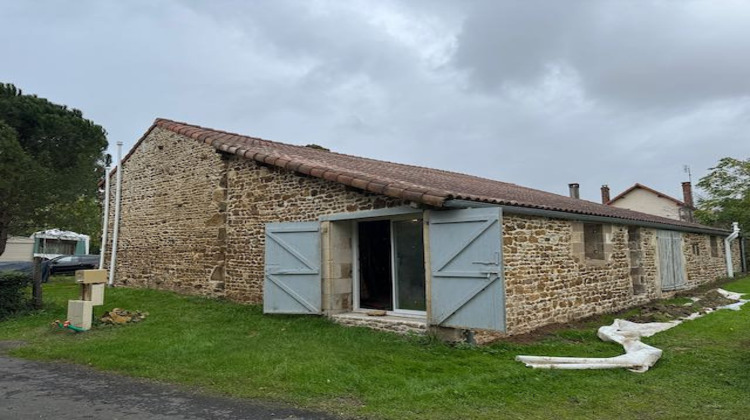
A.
pixel 118 316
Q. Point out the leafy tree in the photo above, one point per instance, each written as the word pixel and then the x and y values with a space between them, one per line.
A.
pixel 51 159
pixel 82 215
pixel 728 194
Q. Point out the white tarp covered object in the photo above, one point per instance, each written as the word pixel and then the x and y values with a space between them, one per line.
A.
pixel 61 234
pixel 48 243
pixel 638 357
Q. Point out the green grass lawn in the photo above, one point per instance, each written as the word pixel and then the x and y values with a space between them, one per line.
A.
pixel 233 349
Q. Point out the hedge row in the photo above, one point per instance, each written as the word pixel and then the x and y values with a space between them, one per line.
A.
pixel 12 292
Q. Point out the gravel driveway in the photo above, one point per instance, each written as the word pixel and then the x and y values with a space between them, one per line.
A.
pixel 42 390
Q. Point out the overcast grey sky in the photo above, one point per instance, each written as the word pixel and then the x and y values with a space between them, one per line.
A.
pixel 537 93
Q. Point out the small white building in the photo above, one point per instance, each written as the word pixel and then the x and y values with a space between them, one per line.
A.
pixel 18 248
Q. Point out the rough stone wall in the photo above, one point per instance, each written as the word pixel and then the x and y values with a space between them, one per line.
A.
pixel 701 267
pixel 546 283
pixel 170 223
pixel 257 195
pixel 649 263
pixel 547 280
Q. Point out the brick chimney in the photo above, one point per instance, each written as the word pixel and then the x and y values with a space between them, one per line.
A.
pixel 574 190
pixel 605 194
pixel 687 194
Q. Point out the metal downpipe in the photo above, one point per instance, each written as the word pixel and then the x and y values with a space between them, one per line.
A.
pixel 105 221
pixel 116 228
pixel 728 248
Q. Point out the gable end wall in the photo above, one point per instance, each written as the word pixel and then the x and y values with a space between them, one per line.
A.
pixel 169 238
pixel 648 202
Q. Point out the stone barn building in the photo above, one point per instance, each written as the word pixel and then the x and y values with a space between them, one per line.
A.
pixel 307 231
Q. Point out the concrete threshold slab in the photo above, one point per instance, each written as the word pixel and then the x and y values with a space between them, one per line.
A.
pixel 389 323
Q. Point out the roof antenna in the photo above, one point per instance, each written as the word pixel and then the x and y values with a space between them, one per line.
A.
pixel 686 169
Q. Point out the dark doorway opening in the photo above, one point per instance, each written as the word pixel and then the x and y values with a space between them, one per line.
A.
pixel 375 285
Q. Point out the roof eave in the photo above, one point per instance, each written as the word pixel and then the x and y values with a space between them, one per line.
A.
pixel 584 217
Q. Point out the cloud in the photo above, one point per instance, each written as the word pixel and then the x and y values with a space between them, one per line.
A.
pixel 535 93
pixel 645 54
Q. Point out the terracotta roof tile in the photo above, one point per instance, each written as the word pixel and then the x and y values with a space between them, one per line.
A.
pixel 376 187
pixel 293 166
pixel 429 186
pixel 306 169
pixel 359 183
pixel 344 179
pixel 331 176
pixel 413 196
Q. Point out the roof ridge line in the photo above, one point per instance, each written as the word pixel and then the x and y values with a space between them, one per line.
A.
pixel 429 186
pixel 160 121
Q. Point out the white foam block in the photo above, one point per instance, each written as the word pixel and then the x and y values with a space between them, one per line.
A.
pixel 80 313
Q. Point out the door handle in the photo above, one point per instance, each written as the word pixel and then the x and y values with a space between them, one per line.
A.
pixel 491 272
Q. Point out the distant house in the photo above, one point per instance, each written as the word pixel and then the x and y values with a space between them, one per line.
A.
pixel 647 200
pixel 18 248
pixel 308 231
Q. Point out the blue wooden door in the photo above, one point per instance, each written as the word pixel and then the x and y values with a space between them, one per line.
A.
pixel 671 267
pixel 292 282
pixel 466 288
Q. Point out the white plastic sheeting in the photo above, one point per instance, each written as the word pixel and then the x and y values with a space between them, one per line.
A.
pixel 732 296
pixel 638 357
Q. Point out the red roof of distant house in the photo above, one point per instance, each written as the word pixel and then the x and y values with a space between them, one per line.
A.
pixel 413 183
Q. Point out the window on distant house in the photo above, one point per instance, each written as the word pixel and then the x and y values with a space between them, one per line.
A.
pixel 593 241
pixel 714 247
pixel 696 249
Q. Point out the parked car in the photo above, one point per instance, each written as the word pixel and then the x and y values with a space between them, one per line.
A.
pixel 69 264
pixel 23 266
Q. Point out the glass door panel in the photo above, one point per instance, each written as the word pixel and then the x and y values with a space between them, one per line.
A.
pixel 408 256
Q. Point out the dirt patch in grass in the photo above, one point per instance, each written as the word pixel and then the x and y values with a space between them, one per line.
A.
pixel 662 312
pixel 704 288
pixel 713 299
pixel 551 330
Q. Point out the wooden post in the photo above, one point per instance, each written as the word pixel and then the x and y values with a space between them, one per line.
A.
pixel 36 289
